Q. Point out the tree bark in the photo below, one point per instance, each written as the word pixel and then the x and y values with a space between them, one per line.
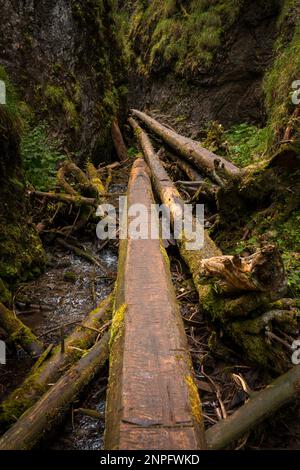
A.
pixel 51 408
pixel 206 161
pixel 185 166
pixel 247 333
pixel 152 400
pixel 19 333
pixel 262 405
pixel 118 141
pixel 38 380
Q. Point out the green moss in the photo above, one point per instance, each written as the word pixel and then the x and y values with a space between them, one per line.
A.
pixel 251 335
pixel 195 404
pixel 185 37
pixel 12 98
pixel 285 69
pixel 5 295
pixel 10 410
pixel 165 255
pixel 54 94
pixel 117 324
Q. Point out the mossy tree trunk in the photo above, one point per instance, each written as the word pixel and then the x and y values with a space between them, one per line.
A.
pixel 19 333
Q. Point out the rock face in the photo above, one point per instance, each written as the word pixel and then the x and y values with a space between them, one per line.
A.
pixel 65 58
pixel 230 90
pixel 21 252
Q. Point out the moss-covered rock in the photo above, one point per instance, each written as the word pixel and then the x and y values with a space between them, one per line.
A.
pixel 21 253
pixel 66 59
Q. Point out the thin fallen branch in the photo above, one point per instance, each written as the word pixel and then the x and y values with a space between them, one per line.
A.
pixel 66 198
pixel 262 405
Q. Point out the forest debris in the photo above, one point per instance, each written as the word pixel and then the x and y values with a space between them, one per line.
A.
pixel 95 180
pixel 82 253
pixel 259 407
pixel 151 384
pixel 19 333
pixel 192 151
pixel 52 406
pixel 37 381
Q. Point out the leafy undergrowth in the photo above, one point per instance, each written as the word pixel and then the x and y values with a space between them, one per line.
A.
pixel 40 155
pixel 243 144
pixel 40 152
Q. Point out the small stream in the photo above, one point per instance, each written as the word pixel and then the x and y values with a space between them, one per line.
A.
pixel 68 290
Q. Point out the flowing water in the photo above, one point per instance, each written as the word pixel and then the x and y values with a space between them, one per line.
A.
pixel 68 290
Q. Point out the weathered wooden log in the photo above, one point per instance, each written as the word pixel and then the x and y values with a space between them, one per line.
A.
pixel 66 198
pixel 19 333
pixel 206 161
pixel 247 333
pixel 38 380
pixel 52 407
pixel 261 405
pixel 118 141
pixel 152 400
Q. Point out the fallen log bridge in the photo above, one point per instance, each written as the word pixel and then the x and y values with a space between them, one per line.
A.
pixel 152 400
